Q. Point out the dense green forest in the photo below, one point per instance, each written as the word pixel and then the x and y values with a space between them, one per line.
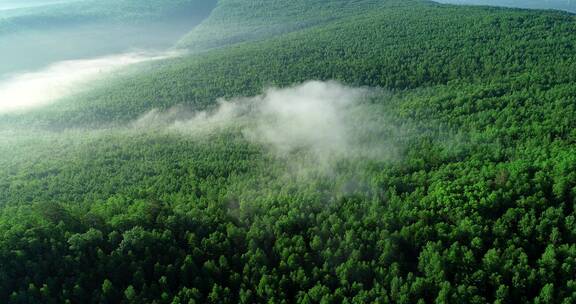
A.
pixel 235 21
pixel 567 5
pixel 455 179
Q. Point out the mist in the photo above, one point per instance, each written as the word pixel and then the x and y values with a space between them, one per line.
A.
pixel 34 89
pixel 13 4
pixel 322 121
pixel 21 49
pixel 307 117
pixel 36 33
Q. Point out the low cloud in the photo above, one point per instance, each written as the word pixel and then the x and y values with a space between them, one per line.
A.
pixel 34 89
pixel 318 120
pixel 309 117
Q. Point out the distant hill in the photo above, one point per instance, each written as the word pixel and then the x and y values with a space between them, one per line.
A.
pixel 399 46
pixel 41 14
pixel 565 5
pixel 235 21
pixel 88 28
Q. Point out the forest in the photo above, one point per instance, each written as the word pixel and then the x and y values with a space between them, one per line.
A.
pixel 434 162
pixel 566 5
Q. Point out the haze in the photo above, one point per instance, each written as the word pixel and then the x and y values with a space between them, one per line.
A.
pixel 35 34
pixel 11 4
pixel 30 90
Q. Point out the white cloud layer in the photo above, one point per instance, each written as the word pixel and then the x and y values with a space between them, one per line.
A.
pixel 34 89
pixel 318 118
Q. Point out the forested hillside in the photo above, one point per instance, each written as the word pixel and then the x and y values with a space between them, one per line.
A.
pixel 234 21
pixel 566 5
pixel 396 48
pixel 431 161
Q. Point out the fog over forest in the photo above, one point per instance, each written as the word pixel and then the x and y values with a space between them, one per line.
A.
pixel 37 33
pixel 16 4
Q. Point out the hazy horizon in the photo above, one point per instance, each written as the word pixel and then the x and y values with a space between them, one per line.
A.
pixel 564 5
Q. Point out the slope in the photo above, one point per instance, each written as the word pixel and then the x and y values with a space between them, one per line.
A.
pixel 475 206
pixel 396 48
pixel 566 5
pixel 236 21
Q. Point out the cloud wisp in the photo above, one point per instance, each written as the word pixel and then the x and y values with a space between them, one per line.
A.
pixel 35 89
pixel 316 119
pixel 310 117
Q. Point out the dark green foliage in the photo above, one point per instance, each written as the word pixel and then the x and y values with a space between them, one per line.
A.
pixel 478 207
pixel 235 21
pixel 566 5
